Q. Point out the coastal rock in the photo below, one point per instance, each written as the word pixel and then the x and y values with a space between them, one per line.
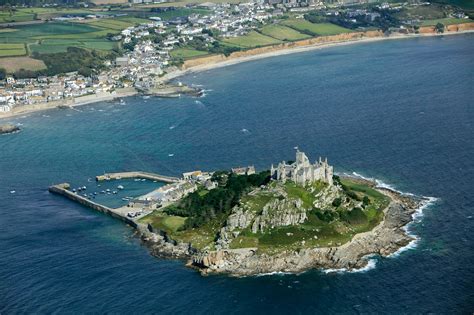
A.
pixel 4 129
pixel 280 213
pixel 384 239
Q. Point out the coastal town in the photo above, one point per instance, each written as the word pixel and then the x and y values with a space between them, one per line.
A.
pixel 149 58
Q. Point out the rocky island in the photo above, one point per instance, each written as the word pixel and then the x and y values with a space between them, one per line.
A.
pixel 295 217
pixel 4 129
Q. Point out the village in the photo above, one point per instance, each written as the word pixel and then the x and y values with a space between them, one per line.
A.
pixel 148 49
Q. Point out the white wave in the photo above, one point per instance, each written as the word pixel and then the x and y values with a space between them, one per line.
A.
pixel 273 273
pixel 371 264
pixel 244 130
pixel 198 102
pixel 416 216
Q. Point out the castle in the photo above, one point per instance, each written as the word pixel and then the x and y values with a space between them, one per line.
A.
pixel 302 171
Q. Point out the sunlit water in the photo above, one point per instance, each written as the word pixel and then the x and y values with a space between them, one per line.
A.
pixel 399 111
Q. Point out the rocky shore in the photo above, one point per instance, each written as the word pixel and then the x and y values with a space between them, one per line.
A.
pixel 386 238
pixel 4 129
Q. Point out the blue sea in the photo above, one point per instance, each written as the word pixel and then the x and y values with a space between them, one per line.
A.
pixel 400 111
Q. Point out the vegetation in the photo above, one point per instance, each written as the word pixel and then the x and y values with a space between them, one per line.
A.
pixel 252 39
pixel 282 32
pixel 74 58
pixel 201 209
pixel 319 29
pixel 186 53
pixel 8 50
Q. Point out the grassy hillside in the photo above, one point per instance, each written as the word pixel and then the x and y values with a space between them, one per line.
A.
pixel 282 32
pixel 252 39
pixel 321 29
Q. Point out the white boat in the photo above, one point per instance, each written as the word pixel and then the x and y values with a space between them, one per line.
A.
pixel 120 187
pixel 12 191
pixel 171 154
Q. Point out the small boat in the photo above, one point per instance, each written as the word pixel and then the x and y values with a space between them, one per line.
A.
pixel 12 191
pixel 125 199
pixel 171 154
pixel 107 190
pixel 114 192
pixel 120 187
pixel 95 193
pixel 74 190
pixel 102 192
pixel 84 187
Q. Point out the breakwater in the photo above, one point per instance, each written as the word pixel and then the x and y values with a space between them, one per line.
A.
pixel 63 190
pixel 137 174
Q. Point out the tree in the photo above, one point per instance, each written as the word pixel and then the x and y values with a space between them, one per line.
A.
pixel 439 28
pixel 3 74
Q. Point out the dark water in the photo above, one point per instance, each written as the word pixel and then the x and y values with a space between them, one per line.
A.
pixel 400 111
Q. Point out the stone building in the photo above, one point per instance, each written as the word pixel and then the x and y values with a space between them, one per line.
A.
pixel 302 172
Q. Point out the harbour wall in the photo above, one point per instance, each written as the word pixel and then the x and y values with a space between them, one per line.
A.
pixel 138 174
pixel 62 189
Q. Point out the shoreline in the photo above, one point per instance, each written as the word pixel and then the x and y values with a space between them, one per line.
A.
pixel 228 61
pixel 387 239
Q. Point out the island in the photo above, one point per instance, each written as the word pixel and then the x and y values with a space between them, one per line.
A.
pixel 294 217
pixel 8 128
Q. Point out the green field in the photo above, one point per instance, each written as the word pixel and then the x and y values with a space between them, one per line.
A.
pixel 321 29
pixel 252 39
pixel 10 50
pixel 30 14
pixel 168 15
pixel 445 21
pixel 282 32
pixel 61 45
pixel 186 53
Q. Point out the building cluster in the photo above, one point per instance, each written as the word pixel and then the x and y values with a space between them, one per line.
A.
pixel 302 172
pixel 19 92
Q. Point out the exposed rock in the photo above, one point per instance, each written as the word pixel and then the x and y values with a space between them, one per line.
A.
pixel 4 129
pixel 280 213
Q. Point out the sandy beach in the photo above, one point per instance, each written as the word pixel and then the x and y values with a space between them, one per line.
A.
pixel 223 62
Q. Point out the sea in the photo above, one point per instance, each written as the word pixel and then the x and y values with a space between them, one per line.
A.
pixel 399 111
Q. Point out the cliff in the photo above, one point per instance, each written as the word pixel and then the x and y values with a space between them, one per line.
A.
pixel 346 37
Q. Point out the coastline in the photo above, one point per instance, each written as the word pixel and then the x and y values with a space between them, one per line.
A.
pixel 222 62
pixel 389 238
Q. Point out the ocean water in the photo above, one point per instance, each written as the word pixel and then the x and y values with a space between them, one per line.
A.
pixel 399 111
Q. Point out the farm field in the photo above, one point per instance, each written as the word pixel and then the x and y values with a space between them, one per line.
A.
pixel 12 64
pixel 445 21
pixel 252 39
pixel 282 32
pixel 10 50
pixel 186 53
pixel 321 29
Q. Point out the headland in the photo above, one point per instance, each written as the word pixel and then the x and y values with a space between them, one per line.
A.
pixel 294 217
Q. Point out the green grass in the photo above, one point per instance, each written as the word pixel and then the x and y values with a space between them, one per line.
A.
pixel 10 50
pixel 61 45
pixel 281 32
pixel 321 29
pixel 199 238
pixel 164 222
pixel 168 15
pixel 256 202
pixel 252 39
pixel 187 53
pixel 295 191
pixel 445 21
